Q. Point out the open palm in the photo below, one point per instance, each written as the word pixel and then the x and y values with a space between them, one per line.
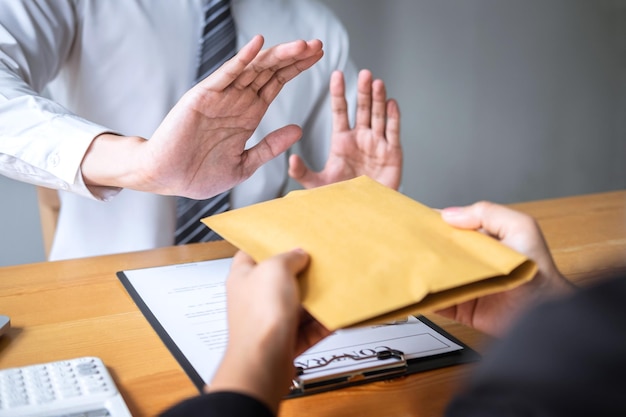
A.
pixel 199 149
pixel 372 147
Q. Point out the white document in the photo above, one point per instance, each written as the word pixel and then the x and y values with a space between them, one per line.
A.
pixel 189 303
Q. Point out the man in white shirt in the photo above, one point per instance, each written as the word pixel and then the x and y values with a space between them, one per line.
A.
pixel 75 70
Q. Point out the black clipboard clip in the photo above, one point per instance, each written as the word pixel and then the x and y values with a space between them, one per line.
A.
pixel 386 363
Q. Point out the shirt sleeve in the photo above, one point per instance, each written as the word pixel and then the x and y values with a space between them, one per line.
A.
pixel 41 142
pixel 223 403
pixel 565 358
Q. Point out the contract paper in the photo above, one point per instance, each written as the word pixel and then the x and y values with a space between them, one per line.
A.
pixel 186 304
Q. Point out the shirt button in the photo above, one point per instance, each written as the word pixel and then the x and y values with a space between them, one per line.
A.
pixel 54 159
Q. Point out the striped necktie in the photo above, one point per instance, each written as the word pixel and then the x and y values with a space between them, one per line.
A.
pixel 218 44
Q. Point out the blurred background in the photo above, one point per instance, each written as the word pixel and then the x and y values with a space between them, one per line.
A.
pixel 504 100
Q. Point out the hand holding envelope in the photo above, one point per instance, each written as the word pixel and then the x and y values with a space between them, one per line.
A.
pixel 376 254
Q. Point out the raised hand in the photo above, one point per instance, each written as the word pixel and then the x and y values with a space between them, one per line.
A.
pixel 493 313
pixel 372 147
pixel 199 148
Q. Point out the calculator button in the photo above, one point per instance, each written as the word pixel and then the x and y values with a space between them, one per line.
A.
pixel 80 387
pixel 92 413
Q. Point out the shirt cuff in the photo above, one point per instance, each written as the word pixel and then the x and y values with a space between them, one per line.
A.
pixel 220 403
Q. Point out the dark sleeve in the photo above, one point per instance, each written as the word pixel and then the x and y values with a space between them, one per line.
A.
pixel 565 358
pixel 222 403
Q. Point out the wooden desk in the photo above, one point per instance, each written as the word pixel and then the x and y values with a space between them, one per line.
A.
pixel 78 307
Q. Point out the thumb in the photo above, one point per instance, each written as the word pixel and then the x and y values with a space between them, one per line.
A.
pixel 492 218
pixel 270 147
pixel 461 217
pixel 299 171
pixel 496 220
pixel 295 260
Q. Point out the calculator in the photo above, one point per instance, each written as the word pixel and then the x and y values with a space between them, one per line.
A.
pixel 79 387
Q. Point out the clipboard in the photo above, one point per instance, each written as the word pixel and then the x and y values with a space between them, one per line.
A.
pixel 186 306
pixel 381 364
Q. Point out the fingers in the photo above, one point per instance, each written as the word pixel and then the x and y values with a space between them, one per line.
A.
pixel 297 168
pixel 364 99
pixel 267 62
pixel 379 108
pixel 234 67
pixel 496 220
pixel 271 146
pixel 310 331
pixel 267 71
pixel 392 132
pixel 270 90
pixel 294 261
pixel 299 171
pixel 291 262
pixel 242 266
pixel 448 312
pixel 274 67
pixel 516 230
pixel 375 111
pixel 338 103
pixel 242 261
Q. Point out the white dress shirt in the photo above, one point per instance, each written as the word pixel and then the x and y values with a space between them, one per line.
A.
pixel 72 69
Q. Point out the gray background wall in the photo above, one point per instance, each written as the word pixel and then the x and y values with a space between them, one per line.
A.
pixel 506 100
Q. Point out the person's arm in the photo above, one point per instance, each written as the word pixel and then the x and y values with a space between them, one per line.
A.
pixel 199 149
pixel 267 329
pixel 220 404
pixel 371 147
pixel 35 40
pixel 494 313
pixel 562 359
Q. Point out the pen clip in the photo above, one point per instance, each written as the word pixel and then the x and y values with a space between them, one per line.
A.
pixel 377 365
pixel 380 355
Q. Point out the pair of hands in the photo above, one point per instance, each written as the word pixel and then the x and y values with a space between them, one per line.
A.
pixel 269 328
pixel 199 149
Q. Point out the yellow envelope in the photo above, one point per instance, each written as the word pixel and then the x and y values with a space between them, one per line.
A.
pixel 376 254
